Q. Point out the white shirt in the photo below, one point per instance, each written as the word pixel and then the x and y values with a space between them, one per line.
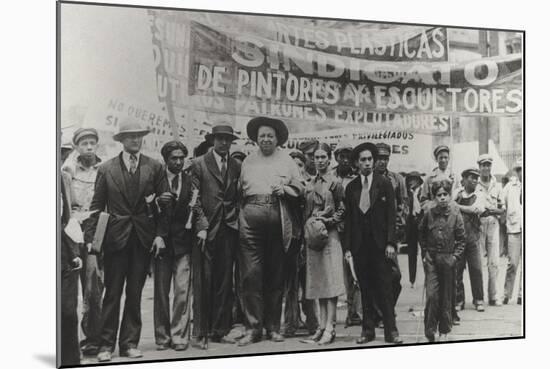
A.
pixel 170 176
pixel 126 159
pixel 218 158
pixel 369 177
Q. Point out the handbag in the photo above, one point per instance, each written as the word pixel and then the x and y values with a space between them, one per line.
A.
pixel 315 234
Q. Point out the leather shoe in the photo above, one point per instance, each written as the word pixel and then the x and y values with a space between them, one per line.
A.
pixel 180 346
pixel 275 337
pixel 131 353
pixel 201 343
pixel 224 339
pixel 430 337
pixel 364 339
pixel 162 347
pixel 519 301
pixel 248 339
pixel 396 340
pixel 104 356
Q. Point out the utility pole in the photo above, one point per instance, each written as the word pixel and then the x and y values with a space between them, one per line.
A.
pixel 488 46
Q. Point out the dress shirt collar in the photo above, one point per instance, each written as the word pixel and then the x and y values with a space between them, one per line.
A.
pixel 218 158
pixel 369 177
pixel 126 159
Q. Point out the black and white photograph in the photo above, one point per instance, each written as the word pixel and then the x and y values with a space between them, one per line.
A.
pixel 234 184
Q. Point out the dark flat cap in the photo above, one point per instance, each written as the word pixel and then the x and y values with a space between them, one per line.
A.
pixel 307 145
pixel 298 154
pixel 414 174
pixel 383 149
pixel 470 171
pixel 84 132
pixel 280 128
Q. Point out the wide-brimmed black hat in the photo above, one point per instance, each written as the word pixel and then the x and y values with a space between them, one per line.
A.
pixel 221 130
pixel 414 174
pixel 362 147
pixel 280 128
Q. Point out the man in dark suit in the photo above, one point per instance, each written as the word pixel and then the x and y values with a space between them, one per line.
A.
pixel 121 188
pixel 370 241
pixel 179 221
pixel 216 175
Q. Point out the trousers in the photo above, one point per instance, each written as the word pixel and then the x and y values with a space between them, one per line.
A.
pixel 514 262
pixel 125 269
pixel 176 271
pixel 91 278
pixel 472 257
pixel 70 352
pixel 440 275
pixel 489 242
pixel 261 257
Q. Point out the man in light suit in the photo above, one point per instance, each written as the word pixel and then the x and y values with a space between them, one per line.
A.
pixel 121 188
pixel 216 175
pixel 370 241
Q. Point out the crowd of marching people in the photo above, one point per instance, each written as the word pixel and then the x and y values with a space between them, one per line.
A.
pixel 233 236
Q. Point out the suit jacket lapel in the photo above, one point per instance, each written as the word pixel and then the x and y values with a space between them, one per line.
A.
pixel 118 177
pixel 185 189
pixel 356 190
pixel 213 166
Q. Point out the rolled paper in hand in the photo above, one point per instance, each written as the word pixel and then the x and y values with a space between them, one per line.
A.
pixel 192 204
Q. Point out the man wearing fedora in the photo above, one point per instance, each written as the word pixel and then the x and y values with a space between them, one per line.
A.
pixel 121 188
pixel 370 241
pixel 216 175
pixel 270 181
pixel 81 173
pixel 489 239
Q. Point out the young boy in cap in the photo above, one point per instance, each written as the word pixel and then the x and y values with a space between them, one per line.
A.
pixel 471 206
pixel 81 173
pixel 441 233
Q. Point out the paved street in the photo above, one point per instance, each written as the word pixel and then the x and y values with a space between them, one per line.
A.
pixel 501 321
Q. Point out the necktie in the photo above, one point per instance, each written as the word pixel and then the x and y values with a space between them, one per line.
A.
pixel 364 201
pixel 175 185
pixel 133 163
pixel 224 167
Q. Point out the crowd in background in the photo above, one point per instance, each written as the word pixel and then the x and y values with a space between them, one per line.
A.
pixel 234 236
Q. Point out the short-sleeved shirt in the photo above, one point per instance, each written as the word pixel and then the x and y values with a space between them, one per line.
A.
pixel 259 172
pixel 491 191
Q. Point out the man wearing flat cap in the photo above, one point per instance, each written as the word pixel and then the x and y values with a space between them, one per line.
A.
pixel 308 149
pixel 471 204
pixel 489 239
pixel 370 241
pixel 81 174
pixel 122 185
pixel 442 171
pixel 270 184
pixel 216 175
